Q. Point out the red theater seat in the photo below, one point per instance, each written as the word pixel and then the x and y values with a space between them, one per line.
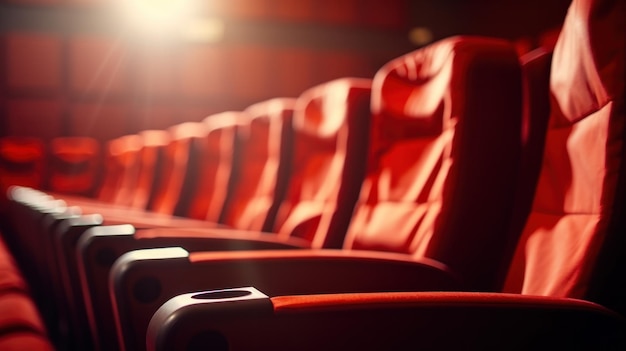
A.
pixel 22 162
pixel 331 123
pixel 121 167
pixel 572 246
pixel 21 327
pixel 430 174
pixel 75 165
pixel 151 162
pixel 265 166
pixel 330 127
pixel 200 155
pixel 579 202
pixel 29 125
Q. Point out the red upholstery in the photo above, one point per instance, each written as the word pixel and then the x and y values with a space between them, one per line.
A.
pixel 577 222
pixel 17 310
pixel 438 185
pixel 75 166
pixel 29 123
pixel 122 167
pixel 177 163
pixel 22 162
pixel 10 277
pixel 536 79
pixel 580 191
pixel 25 341
pixel 21 327
pixel 229 240
pixel 483 69
pixel 331 123
pixel 244 319
pixel 265 165
pixel 151 162
pixel 216 155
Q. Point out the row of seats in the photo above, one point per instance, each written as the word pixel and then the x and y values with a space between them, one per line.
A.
pixel 461 190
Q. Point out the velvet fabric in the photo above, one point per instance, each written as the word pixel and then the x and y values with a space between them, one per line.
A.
pixel 578 194
pixel 445 152
pixel 264 165
pixel 331 122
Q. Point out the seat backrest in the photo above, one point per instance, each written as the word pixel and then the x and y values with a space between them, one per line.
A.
pixel 74 165
pixel 22 162
pixel 575 231
pixel 121 169
pixel 214 169
pixel 445 152
pixel 331 126
pixel 151 159
pixel 536 112
pixel 178 158
pixel 266 145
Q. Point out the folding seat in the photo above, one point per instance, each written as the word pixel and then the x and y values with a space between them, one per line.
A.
pixel 140 188
pixel 443 159
pixel 200 165
pixel 20 322
pixel 22 162
pixel 330 135
pixel 61 238
pixel 63 229
pixel 151 162
pixel 19 315
pixel 76 161
pixel 329 161
pixel 571 250
pixel 265 166
pixel 121 169
pixel 36 254
pixel 152 156
pixel 74 165
pixel 29 124
pixel 25 341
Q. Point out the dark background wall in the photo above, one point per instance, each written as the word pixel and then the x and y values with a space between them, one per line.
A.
pixel 72 67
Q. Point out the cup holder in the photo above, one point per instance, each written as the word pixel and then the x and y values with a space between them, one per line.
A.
pixel 221 294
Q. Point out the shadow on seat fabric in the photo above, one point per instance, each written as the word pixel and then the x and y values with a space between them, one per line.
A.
pixel 578 211
pixel 331 126
pixel 121 166
pixel 431 160
pixel 572 246
pixel 264 167
pixel 203 155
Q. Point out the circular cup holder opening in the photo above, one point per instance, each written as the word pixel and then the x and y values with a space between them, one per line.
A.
pixel 214 295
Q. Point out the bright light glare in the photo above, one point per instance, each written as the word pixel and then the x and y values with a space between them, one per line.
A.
pixel 208 30
pixel 156 17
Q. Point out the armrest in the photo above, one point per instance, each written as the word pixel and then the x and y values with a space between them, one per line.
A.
pixel 245 319
pixel 143 280
pixel 65 242
pixel 99 247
